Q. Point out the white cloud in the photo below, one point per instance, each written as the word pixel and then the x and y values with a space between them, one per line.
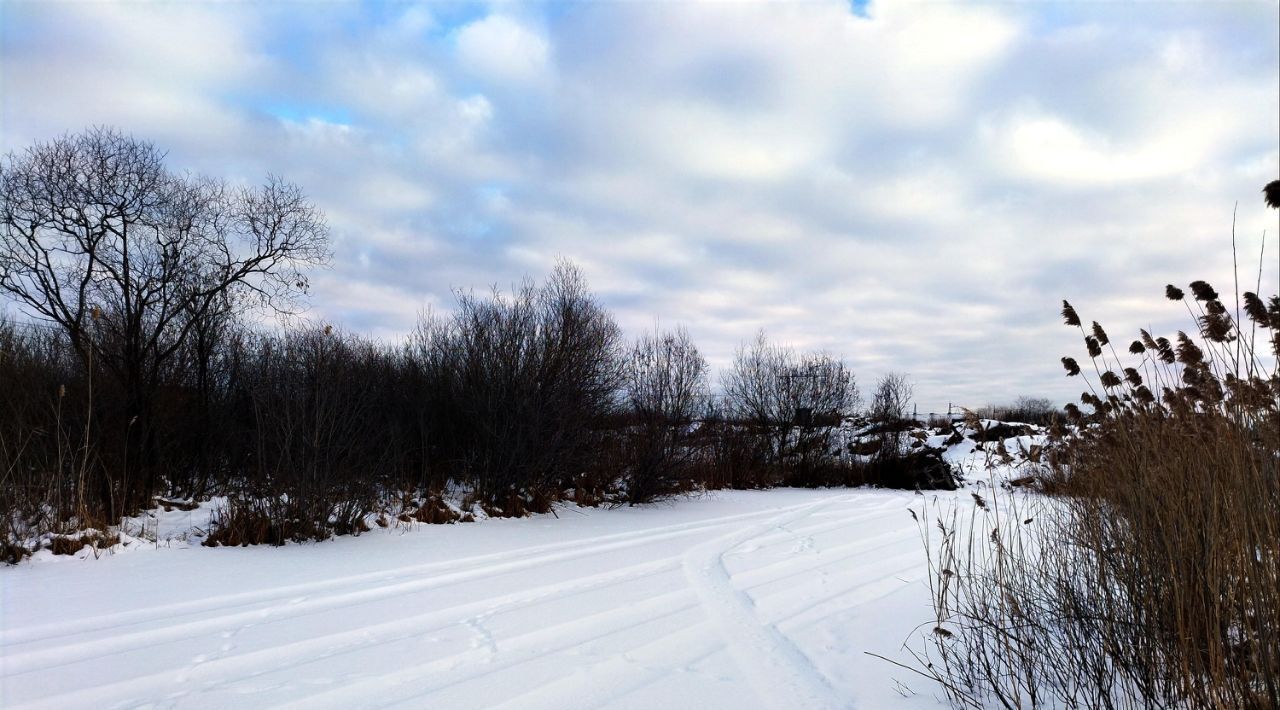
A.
pixel 916 189
pixel 500 48
pixel 1049 148
pixel 158 69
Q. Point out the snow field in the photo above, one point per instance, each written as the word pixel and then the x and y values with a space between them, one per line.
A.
pixel 739 599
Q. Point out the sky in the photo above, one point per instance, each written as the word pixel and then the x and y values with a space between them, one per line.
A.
pixel 911 186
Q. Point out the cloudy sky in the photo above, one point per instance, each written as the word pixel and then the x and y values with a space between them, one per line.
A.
pixel 913 186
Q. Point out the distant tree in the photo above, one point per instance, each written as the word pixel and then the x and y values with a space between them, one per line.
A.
pixel 892 398
pixel 1034 408
pixel 1025 409
pixel 99 237
pixel 788 397
pixel 888 411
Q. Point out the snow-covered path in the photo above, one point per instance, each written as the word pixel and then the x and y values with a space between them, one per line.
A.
pixel 736 600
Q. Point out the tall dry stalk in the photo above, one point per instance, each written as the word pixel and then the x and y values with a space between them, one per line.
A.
pixel 1149 576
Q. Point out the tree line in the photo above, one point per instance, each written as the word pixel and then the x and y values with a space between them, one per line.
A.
pixel 142 374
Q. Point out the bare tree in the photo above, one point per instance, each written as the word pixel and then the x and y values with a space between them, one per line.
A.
pixel 1033 410
pixel 889 405
pixel 97 236
pixel 518 383
pixel 794 400
pixel 892 398
pixel 665 383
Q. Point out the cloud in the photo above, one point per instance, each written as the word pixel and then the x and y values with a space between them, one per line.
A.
pixel 914 186
pixel 499 48
pixel 147 68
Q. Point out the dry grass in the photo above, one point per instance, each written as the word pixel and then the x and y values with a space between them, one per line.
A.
pixel 92 539
pixel 246 520
pixel 1151 576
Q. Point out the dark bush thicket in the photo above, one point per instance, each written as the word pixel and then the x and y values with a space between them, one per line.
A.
pixel 520 399
pixel 130 372
pixel 516 388
pixel 316 452
pixel 43 466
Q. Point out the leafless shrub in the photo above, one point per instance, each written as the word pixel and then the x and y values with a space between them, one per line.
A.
pixel 73 543
pixel 665 388
pixel 517 386
pixel 791 403
pixel 258 520
pixel 317 454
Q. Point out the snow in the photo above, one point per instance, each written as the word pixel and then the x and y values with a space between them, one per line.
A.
pixel 731 599
pixel 735 599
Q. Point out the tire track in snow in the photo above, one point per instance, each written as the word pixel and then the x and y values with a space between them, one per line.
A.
pixel 415 682
pixel 221 671
pixel 635 668
pixel 78 627
pixel 12 663
pixel 23 662
pixel 407 684
pixel 781 675
pixel 254 663
pixel 43 659
pixel 414 685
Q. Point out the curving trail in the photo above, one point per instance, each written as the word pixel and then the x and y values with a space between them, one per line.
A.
pixel 741 600
pixel 780 674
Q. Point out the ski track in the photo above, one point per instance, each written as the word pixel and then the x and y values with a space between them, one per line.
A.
pixel 706 610
pixel 15 663
pixel 482 563
pixel 779 672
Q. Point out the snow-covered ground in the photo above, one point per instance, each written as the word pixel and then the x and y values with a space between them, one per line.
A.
pixel 733 599
pixel 737 599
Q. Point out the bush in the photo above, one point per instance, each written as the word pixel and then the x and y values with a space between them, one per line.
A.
pixel 728 455
pixel 49 470
pixel 517 388
pixel 664 389
pixel 317 456
pixel 791 404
